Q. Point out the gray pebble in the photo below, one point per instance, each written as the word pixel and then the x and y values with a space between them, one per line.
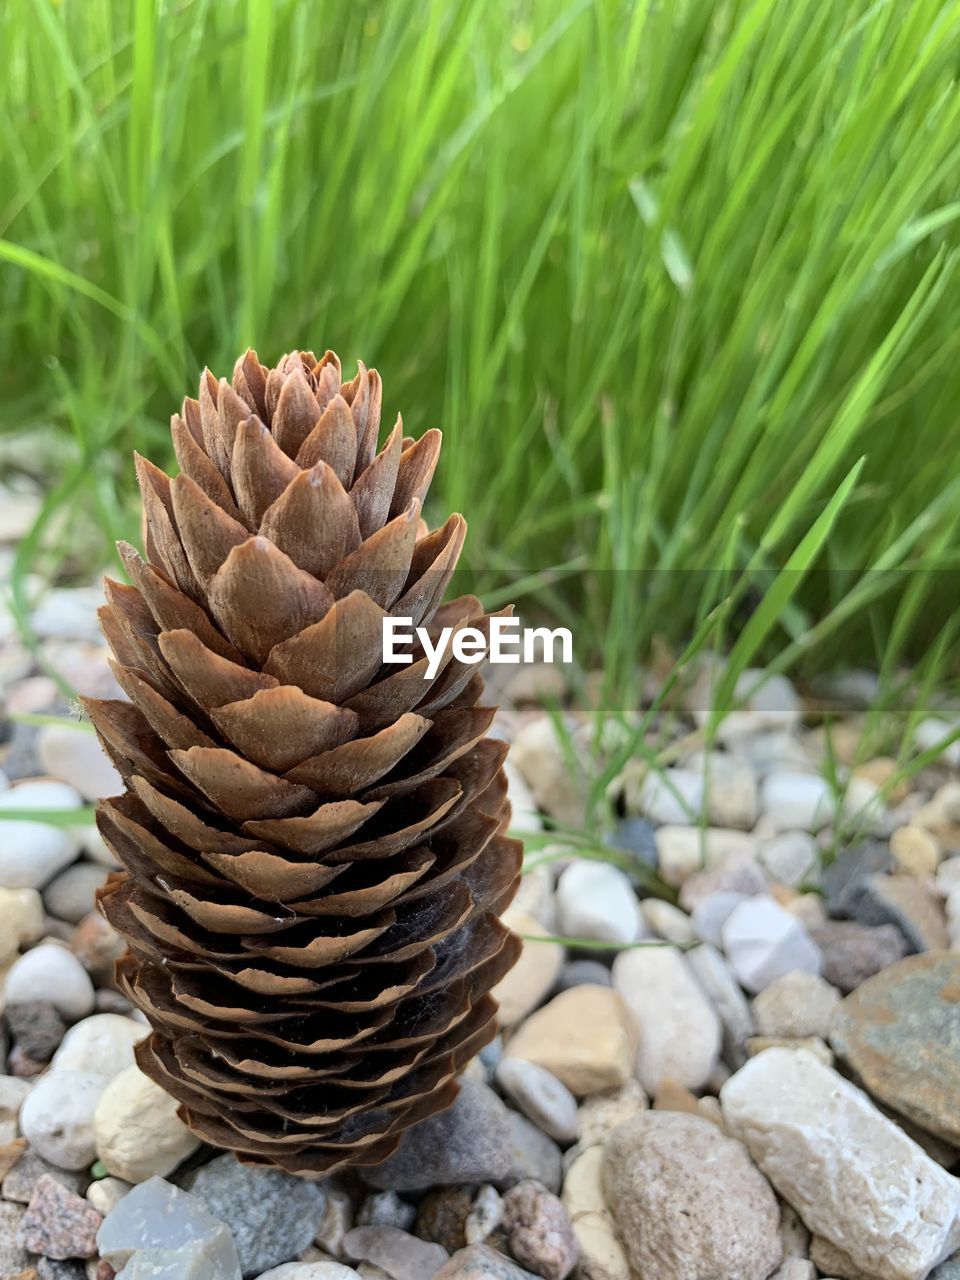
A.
pixel 386 1209
pixel 541 1097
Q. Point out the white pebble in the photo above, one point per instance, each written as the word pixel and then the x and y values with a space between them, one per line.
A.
pixel 668 921
pixel 596 901
pixel 763 942
pixel 710 914
pixel 792 858
pixel 541 1097
pixel 678 1028
pixel 103 1043
pixel 671 796
pixel 683 850
pixel 75 755
pixel 31 853
pixel 57 1117
pixel 106 1193
pixel 138 1132
pixel 930 733
pixel 50 972
pixel 796 801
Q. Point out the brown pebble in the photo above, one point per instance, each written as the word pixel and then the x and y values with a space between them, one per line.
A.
pixel 10 1154
pixel 672 1096
pixel 442 1217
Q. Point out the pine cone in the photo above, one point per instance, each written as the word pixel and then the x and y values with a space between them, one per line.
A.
pixel 314 844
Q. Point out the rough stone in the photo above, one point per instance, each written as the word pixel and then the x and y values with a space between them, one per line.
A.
pixel 13 1257
pixel 484 1217
pixel 853 1175
pixel 470 1142
pixel 795 1006
pixel 271 1215
pixel 539 1231
pixel 678 1030
pixel 36 1027
pixel 158 1216
pixel 310 1271
pixel 763 942
pixel 603 1113
pixel 480 1262
pixel 731 788
pixel 584 1036
pixel 854 952
pixel 137 1131
pixel 906 902
pixel 386 1209
pixel 900 1033
pixel 21 1180
pixel 843 879
pixel 442 1217
pixel 58 1223
pixel 688 1201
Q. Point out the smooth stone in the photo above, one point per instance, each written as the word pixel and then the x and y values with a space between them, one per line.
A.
pixel 480 1262
pixel 102 1043
pixel 69 613
pixel 678 1030
pixel 533 1155
pixel 271 1214
pixel 796 1269
pixel 853 1175
pixel 584 1036
pixel 909 904
pixel 796 801
pixel 541 757
pixel 711 914
pixel 731 788
pixel 668 922
pixel 36 1027
pixel 900 1033
pixel 539 1232
pixel 387 1209
pixel 635 836
pixel 796 1005
pixel 688 1200
pixel 670 796
pixel 22 1178
pixel 157 1215
pixel 21 920
pixel 72 894
pixel 812 1044
pixel 854 952
pixel 401 1255
pixel 763 942
pixel 97 946
pixel 13 1094
pixel 75 755
pixel 843 879
pixel 776 751
pixel 470 1142
pixel 542 1098
pixel 524 816
pixel 683 849
pixel 791 858
pixel 949 1270
pixel 533 976
pixel 916 852
pixel 33 852
pixel 931 731
pixel 106 1193
pixel 310 1271
pixel 596 901
pixel 95 847
pixel 52 973
pixel 715 976
pixel 137 1130
pixel 535 896
pixel 58 1223
pixel 577 972
pixel 601 1253
pixel 57 1117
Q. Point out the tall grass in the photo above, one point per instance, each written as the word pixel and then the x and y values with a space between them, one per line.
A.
pixel 676 279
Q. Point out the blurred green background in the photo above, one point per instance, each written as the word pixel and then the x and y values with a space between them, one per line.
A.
pixel 679 281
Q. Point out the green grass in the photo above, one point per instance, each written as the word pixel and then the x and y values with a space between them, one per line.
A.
pixel 678 280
